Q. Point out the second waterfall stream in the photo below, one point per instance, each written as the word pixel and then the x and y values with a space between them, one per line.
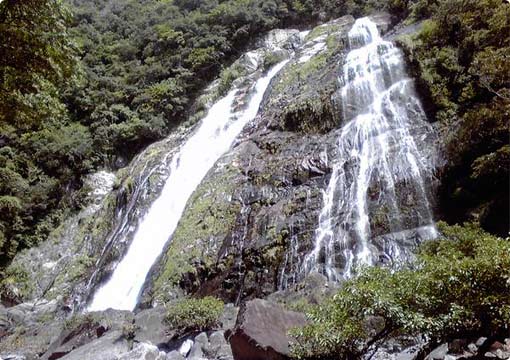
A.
pixel 376 201
pixel 213 138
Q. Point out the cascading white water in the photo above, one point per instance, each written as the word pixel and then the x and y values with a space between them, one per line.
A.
pixel 379 167
pixel 213 138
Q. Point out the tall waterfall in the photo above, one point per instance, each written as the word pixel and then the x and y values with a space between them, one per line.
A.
pixel 212 139
pixel 376 201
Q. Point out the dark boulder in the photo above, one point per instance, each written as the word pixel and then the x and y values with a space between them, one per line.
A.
pixel 151 327
pixel 84 329
pixel 73 338
pixel 262 330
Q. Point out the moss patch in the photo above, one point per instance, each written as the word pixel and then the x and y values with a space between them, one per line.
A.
pixel 326 29
pixel 304 91
pixel 208 218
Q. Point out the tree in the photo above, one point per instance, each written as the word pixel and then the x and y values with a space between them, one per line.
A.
pixel 36 56
pixel 41 149
pixel 458 286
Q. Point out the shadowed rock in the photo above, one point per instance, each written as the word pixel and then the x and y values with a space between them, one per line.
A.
pixel 262 330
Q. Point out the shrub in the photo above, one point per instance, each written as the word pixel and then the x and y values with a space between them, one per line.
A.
pixel 129 331
pixel 459 285
pixel 228 76
pixel 271 59
pixel 15 283
pixel 194 314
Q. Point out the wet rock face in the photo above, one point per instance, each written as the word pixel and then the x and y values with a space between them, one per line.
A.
pixel 246 228
pixel 83 252
pixel 303 95
pixel 52 269
pixel 251 222
pixel 100 184
pixel 84 249
pixel 246 224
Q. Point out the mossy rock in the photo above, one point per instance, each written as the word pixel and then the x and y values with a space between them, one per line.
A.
pixel 206 221
pixel 303 96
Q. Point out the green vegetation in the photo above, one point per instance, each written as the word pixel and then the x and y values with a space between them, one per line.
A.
pixel 458 286
pixel 78 320
pixel 461 60
pixel 271 59
pixel 16 283
pixel 42 152
pixel 228 76
pixel 190 315
pixel 146 62
pixel 210 214
pixel 87 84
pixel 129 331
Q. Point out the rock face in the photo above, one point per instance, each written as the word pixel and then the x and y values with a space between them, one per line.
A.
pixel 30 328
pixel 82 254
pixel 262 331
pixel 83 250
pixel 150 326
pixel 248 227
pixel 99 328
pixel 109 335
pixel 51 269
pixel 245 229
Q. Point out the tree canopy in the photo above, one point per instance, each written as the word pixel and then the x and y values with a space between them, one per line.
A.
pixel 462 59
pixel 458 286
pixel 37 61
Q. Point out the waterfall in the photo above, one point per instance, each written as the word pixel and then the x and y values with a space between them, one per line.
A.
pixel 190 164
pixel 376 202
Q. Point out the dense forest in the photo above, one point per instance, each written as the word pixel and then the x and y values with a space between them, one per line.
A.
pixel 462 57
pixel 87 84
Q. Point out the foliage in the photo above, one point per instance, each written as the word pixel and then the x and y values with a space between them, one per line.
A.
pixel 194 314
pixel 271 59
pixel 145 62
pixel 461 55
pixel 129 330
pixel 42 152
pixel 15 284
pixel 152 58
pixel 80 91
pixel 459 285
pixel 228 76
pixel 34 35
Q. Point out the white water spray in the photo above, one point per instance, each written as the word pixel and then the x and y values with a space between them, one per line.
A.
pixel 379 167
pixel 212 139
